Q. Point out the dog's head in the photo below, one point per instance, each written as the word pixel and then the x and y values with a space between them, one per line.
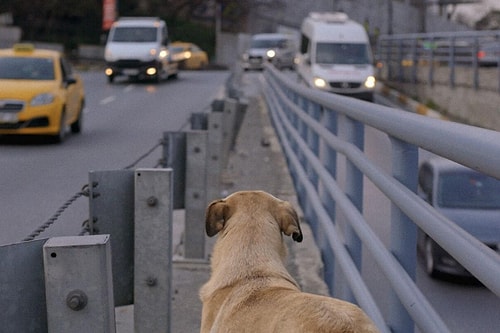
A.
pixel 220 211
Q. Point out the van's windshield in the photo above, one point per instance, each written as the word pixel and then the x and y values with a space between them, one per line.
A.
pixel 342 53
pixel 135 34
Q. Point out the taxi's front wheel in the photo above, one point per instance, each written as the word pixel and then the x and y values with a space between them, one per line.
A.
pixel 76 127
pixel 61 134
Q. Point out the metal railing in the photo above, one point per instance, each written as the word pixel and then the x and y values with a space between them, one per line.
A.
pixel 316 129
pixel 427 57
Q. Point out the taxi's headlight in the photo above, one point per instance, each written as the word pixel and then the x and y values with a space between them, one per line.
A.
pixel 271 53
pixel 370 82
pixel 42 99
pixel 319 82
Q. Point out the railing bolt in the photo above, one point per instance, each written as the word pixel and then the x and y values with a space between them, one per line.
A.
pixel 152 201
pixel 151 281
pixel 76 300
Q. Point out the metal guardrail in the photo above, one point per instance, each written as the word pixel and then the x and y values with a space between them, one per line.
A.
pixel 314 128
pixel 403 57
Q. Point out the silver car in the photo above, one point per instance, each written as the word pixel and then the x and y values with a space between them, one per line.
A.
pixel 466 197
pixel 277 48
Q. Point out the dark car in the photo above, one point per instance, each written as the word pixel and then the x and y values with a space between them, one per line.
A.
pixel 489 54
pixel 466 197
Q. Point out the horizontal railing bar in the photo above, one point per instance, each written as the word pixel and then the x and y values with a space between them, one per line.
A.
pixel 474 147
pixel 435 35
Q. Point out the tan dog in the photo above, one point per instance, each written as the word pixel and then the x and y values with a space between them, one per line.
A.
pixel 250 289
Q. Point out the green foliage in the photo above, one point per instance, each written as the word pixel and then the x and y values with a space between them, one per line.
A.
pixel 69 22
pixel 188 31
pixel 73 22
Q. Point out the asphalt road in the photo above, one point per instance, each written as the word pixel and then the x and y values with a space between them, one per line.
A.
pixel 122 122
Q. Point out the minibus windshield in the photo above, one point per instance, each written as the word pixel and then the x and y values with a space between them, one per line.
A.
pixel 342 53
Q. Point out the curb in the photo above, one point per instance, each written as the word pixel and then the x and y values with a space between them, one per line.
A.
pixel 409 103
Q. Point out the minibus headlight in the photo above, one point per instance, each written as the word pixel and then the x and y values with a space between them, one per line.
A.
pixel 370 82
pixel 271 53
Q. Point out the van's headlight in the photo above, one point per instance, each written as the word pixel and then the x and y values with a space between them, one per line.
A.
pixel 319 82
pixel 370 82
pixel 245 57
pixel 271 53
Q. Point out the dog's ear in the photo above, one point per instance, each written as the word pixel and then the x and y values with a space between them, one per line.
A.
pixel 288 220
pixel 215 217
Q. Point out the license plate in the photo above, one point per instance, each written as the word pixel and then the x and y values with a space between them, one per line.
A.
pixel 131 71
pixel 8 117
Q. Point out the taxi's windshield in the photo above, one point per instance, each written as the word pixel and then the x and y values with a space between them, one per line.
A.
pixel 21 68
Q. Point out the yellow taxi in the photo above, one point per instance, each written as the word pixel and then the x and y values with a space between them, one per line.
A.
pixel 189 55
pixel 39 93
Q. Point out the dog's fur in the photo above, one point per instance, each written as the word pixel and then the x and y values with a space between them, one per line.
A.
pixel 250 289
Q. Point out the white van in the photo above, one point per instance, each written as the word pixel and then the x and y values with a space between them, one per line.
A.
pixel 335 55
pixel 277 48
pixel 137 47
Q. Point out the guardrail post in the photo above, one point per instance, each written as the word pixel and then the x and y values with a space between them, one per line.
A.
pixel 353 131
pixel 228 128
pixel 196 194
pixel 174 157
pixel 153 250
pixel 403 230
pixel 214 154
pixel 328 157
pixel 111 211
pixel 78 284
pixel 22 269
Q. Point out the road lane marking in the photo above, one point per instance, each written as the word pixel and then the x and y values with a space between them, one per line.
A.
pixel 107 100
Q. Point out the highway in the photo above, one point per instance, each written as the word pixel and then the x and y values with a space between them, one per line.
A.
pixel 125 120
pixel 122 122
